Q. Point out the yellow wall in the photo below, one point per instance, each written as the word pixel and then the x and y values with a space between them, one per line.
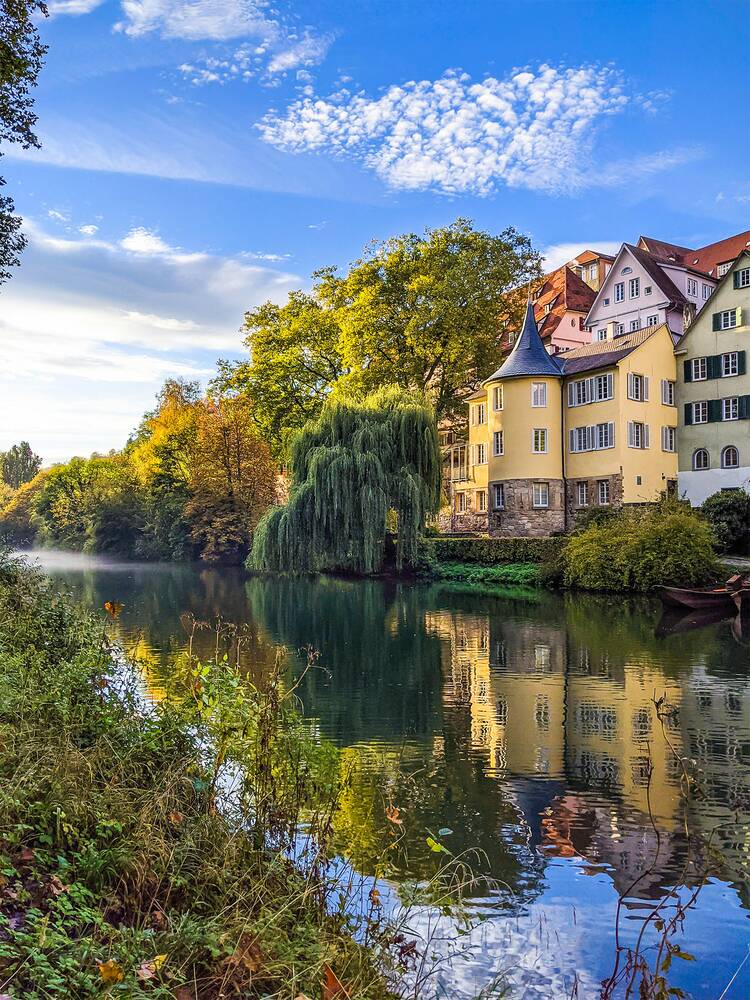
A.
pixel 517 420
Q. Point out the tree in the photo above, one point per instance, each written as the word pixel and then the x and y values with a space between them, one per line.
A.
pixel 17 518
pixel 19 465
pixel 232 480
pixel 295 362
pixel 426 313
pixel 728 513
pixel 350 468
pixel 21 57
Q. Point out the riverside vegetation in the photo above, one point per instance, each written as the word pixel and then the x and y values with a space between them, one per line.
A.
pixel 145 849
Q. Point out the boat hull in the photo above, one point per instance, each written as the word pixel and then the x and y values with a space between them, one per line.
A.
pixel 676 597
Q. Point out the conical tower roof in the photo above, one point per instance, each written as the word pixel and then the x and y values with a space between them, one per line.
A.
pixel 528 356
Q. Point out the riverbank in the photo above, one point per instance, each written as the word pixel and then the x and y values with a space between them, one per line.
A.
pixel 146 846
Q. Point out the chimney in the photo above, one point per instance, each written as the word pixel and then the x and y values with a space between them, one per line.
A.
pixel 611 327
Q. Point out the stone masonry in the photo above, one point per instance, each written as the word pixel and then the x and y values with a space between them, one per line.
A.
pixel 520 519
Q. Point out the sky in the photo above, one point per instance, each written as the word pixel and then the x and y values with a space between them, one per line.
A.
pixel 202 156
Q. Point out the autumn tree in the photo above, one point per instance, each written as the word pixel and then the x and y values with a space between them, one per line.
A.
pixel 232 480
pixel 19 465
pixel 425 313
pixel 21 56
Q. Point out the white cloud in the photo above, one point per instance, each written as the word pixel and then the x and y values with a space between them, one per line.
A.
pixel 56 215
pixel 308 51
pixel 73 8
pixel 89 230
pixel 271 258
pixel 533 129
pixel 560 253
pixel 84 314
pixel 195 19
pixel 273 58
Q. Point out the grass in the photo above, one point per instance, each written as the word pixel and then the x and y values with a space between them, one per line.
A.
pixel 144 849
pixel 472 573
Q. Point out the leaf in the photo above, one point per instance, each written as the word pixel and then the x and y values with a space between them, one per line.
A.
pixel 685 955
pixel 110 971
pixel 148 970
pixel 436 847
pixel 56 886
pixel 392 813
pixel 445 831
pixel 113 609
pixel 375 897
pixel 27 854
pixel 333 988
pixel 176 818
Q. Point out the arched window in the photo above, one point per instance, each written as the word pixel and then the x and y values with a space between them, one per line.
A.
pixel 730 458
pixel 701 460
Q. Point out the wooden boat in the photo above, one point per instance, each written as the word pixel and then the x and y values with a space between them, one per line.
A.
pixel 678 597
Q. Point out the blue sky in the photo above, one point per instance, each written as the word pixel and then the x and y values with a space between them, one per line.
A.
pixel 200 156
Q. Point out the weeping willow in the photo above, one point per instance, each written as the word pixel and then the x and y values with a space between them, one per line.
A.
pixel 359 461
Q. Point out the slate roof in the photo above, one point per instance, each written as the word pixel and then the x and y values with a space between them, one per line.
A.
pixel 529 356
pixel 605 353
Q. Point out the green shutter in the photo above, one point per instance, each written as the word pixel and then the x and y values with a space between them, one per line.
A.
pixel 711 366
pixel 744 407
pixel 714 410
pixel 741 363
pixel 688 371
pixel 717 321
pixel 688 411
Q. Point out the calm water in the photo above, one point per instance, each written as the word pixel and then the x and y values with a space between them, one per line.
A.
pixel 522 722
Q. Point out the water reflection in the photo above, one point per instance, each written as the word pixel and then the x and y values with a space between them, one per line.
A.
pixel 525 724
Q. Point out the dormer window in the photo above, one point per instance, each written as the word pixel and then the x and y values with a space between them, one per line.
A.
pixel 722 269
pixel 627 270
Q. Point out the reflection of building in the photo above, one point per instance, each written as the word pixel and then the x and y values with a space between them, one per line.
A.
pixel 549 709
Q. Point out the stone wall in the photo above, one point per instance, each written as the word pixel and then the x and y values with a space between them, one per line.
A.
pixel 470 522
pixel 520 518
pixel 615 494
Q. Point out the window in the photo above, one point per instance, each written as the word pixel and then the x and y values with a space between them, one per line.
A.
pixel 498 496
pixel 538 394
pixel 667 392
pixel 541 495
pixel 637 434
pixel 619 329
pixel 590 390
pixel 692 287
pixel 497 397
pixel 699 369
pixel 539 440
pixel 730 364
pixel 498 444
pixel 730 458
pixel 637 387
pixel 742 278
pixel 700 412
pixel 603 492
pixel 601 334
pixel 620 291
pixel 652 320
pixel 722 269
pixel 596 437
pixel 701 460
pixel 592 271
pixel 482 501
pixel 480 453
pixel 606 302
pixel 583 494
pixel 730 408
pixel 460 503
pixel 726 320
pixel 634 288
pixel 480 413
pixel 605 436
pixel 705 290
pixel 647 290
pixel 668 438
pixel 635 324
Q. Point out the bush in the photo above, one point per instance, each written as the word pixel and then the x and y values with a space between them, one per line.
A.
pixel 728 513
pixel 666 544
pixel 492 551
pixel 509 573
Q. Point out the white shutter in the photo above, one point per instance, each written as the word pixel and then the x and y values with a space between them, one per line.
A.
pixel 572 439
pixel 645 387
pixel 631 434
pixel 664 397
pixel 611 434
pixel 631 380
pixel 664 439
pixel 571 394
pixel 646 441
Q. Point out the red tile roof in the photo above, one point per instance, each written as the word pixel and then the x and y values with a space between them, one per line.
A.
pixel 704 259
pixel 563 291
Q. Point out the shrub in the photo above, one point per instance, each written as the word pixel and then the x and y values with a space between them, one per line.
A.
pixel 509 573
pixel 492 551
pixel 666 544
pixel 728 513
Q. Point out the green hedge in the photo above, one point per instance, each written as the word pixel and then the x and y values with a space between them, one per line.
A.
pixel 508 573
pixel 493 551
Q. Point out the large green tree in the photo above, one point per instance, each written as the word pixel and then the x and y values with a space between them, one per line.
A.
pixel 19 465
pixel 358 462
pixel 424 313
pixel 21 56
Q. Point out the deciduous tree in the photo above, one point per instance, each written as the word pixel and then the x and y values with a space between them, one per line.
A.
pixel 19 465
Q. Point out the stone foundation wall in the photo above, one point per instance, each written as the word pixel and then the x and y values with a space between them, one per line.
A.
pixel 470 522
pixel 615 495
pixel 520 519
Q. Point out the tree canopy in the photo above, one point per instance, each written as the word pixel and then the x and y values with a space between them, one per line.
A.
pixel 424 313
pixel 352 466
pixel 19 465
pixel 21 57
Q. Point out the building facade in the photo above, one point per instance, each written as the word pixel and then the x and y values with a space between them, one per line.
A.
pixel 713 390
pixel 552 436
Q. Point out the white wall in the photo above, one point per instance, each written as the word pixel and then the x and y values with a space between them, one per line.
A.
pixel 698 486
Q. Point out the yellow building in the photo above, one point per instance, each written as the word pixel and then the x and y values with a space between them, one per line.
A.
pixel 550 436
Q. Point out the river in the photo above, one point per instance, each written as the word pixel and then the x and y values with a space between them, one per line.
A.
pixel 522 723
